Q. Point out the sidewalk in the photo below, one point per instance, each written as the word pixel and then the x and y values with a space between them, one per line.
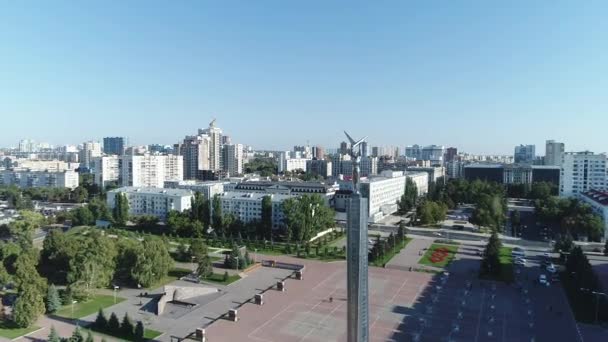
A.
pixel 409 256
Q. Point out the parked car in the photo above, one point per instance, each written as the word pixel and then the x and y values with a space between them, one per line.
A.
pixel 551 268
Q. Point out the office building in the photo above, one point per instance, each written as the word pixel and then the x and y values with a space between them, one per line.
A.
pixel 513 173
pixel 114 145
pixel 90 150
pixel 232 159
pixel 421 179
pixel 383 192
pixel 247 207
pixel 152 201
pixel 525 154
pixel 581 172
pixel 553 152
pixel 26 178
pixel 598 200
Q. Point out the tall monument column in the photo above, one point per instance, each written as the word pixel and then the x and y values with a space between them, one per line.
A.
pixel 356 255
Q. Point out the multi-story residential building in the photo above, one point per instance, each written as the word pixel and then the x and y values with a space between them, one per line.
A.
pixel 114 145
pixel 247 207
pixel 365 152
pixel 215 146
pixel 342 165
pixel 106 170
pixel 435 172
pixel 581 172
pixel 232 159
pixel 598 200
pixel 318 152
pixel 152 201
pixel 455 169
pixel 451 153
pixel 434 153
pixel 291 161
pixel 26 178
pixel 207 189
pixel 40 165
pixel 421 179
pixel 553 152
pixel 150 170
pixel 195 151
pixel 319 167
pixel 413 152
pixel 90 150
pixel 525 154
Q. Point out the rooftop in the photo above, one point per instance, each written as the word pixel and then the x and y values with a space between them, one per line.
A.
pixel 254 196
pixel 153 191
pixel 597 196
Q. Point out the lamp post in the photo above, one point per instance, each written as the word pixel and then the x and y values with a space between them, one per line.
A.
pixel 73 302
pixel 597 300
pixel 115 289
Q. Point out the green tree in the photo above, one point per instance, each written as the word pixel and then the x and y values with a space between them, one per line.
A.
pixel 139 332
pixel 409 197
pixel 94 263
pixel 113 324
pixel 101 322
pixel 54 336
pixel 266 223
pixel 90 337
pixel 153 264
pixel 82 216
pixel 306 216
pixel 80 194
pixel 121 209
pixel 53 301
pixel 126 327
pixel 490 264
pixel 217 217
pixel 26 275
pixel 233 260
pixel 77 335
pixel 28 307
pixel 23 228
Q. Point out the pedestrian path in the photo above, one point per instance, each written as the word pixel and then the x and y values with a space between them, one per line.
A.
pixel 409 256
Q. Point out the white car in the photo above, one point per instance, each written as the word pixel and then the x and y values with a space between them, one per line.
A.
pixel 551 268
pixel 520 261
pixel 542 279
pixel 546 255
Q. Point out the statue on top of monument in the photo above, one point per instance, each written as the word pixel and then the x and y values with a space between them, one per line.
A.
pixel 355 153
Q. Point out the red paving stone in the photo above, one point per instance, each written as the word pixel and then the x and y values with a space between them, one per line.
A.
pixel 303 312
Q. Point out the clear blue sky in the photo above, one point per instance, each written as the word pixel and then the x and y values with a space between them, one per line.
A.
pixel 479 75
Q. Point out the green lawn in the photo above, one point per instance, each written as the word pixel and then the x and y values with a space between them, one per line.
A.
pixel 380 262
pixel 10 331
pixel 442 262
pixel 89 307
pixel 219 279
pixel 149 334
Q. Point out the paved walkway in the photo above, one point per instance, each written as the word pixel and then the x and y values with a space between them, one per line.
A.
pixel 409 256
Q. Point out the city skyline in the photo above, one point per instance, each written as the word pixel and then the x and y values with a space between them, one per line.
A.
pixel 483 73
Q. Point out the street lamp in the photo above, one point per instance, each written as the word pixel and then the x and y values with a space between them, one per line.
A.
pixel 73 302
pixel 115 289
pixel 597 300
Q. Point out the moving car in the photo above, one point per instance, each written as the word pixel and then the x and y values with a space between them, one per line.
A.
pixel 551 268
pixel 520 261
pixel 542 279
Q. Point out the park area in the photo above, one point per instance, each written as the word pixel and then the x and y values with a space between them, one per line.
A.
pixel 439 255
pixel 89 307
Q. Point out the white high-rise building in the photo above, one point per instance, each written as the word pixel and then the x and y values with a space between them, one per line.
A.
pixel 90 150
pixel 105 170
pixel 150 170
pixel 232 159
pixel 553 152
pixel 215 146
pixel 581 172
pixel 292 161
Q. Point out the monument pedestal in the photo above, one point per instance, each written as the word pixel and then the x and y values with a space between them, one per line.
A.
pixel 357 276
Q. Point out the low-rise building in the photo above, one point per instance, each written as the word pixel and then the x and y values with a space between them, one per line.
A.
pixel 208 189
pixel 247 207
pixel 26 178
pixel 152 201
pixel 598 200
